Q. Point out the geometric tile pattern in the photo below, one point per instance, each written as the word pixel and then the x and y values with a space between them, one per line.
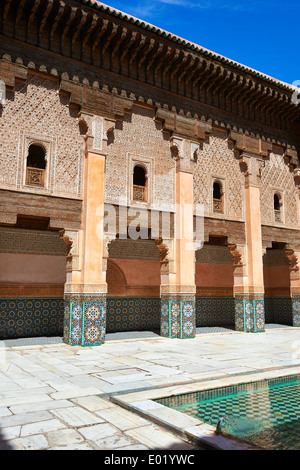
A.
pixel 296 309
pixel 214 311
pixel 249 313
pixel 132 314
pixel 178 319
pixel 31 317
pixel 279 310
pixel 266 413
pixel 84 320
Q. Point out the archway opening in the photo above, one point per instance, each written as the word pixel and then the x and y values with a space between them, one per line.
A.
pixel 133 283
pixel 278 303
pixel 32 284
pixel 214 285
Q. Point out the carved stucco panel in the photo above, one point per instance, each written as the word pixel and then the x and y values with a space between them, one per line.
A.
pixel 276 176
pixel 140 137
pixel 36 107
pixel 217 160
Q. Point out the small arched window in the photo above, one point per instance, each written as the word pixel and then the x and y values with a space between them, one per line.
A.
pixel 139 183
pixel 217 197
pixel 36 165
pixel 277 207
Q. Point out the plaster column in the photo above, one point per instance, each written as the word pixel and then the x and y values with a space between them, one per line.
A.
pixel 178 289
pixel 85 290
pixel 249 294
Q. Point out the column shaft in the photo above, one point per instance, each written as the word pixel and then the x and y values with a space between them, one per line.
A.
pixel 249 300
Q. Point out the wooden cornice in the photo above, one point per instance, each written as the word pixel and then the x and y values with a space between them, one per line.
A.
pixel 85 33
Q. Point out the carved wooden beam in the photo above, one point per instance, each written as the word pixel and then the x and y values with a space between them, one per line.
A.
pixel 78 28
pixel 20 12
pixel 156 54
pixel 146 53
pixel 7 5
pixel 37 4
pixel 43 21
pixel 127 47
pixel 101 33
pixel 119 40
pixel 114 31
pixel 67 27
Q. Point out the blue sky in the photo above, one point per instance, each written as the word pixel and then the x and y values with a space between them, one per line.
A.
pixel 263 35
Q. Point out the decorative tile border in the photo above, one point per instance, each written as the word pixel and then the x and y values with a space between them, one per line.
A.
pixel 132 313
pixel 215 311
pixel 296 309
pixel 249 313
pixel 85 319
pixel 178 319
pixel 148 403
pixel 279 310
pixel 30 317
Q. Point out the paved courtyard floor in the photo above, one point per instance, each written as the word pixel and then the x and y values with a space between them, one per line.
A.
pixel 54 396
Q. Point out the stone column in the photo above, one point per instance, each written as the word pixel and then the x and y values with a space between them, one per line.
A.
pixel 249 289
pixel 86 288
pixel 178 289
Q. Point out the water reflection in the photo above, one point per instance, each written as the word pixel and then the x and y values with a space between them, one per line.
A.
pixel 265 413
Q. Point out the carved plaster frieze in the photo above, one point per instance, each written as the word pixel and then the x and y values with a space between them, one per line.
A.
pixel 252 168
pixel 166 250
pixel 185 152
pixel 71 238
pixel 96 129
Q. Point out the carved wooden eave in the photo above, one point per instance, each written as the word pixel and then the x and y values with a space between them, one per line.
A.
pixel 102 38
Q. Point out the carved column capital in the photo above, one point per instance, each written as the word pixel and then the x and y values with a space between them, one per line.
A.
pixel 252 167
pixel 71 238
pixel 185 152
pixel 96 130
pixel 166 251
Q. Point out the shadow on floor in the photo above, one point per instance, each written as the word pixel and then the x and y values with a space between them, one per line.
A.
pixel 123 335
pixel 4 443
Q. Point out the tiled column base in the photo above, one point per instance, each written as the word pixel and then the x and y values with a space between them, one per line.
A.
pixel 85 319
pixel 178 316
pixel 249 313
pixel 296 309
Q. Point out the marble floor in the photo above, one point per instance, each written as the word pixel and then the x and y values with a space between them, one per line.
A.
pixel 54 396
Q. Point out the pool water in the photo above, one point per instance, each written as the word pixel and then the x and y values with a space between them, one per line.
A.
pixel 266 413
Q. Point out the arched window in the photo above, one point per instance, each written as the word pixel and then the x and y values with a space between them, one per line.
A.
pixel 36 166
pixel 217 197
pixel 277 208
pixel 139 183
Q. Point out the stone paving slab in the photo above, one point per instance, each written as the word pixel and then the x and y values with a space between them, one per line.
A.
pixel 54 396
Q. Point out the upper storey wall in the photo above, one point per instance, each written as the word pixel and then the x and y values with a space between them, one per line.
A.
pixel 139 139
pixel 277 178
pixel 218 162
pixel 36 113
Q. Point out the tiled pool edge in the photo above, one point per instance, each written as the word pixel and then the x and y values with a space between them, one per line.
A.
pixel 197 433
pixel 185 426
